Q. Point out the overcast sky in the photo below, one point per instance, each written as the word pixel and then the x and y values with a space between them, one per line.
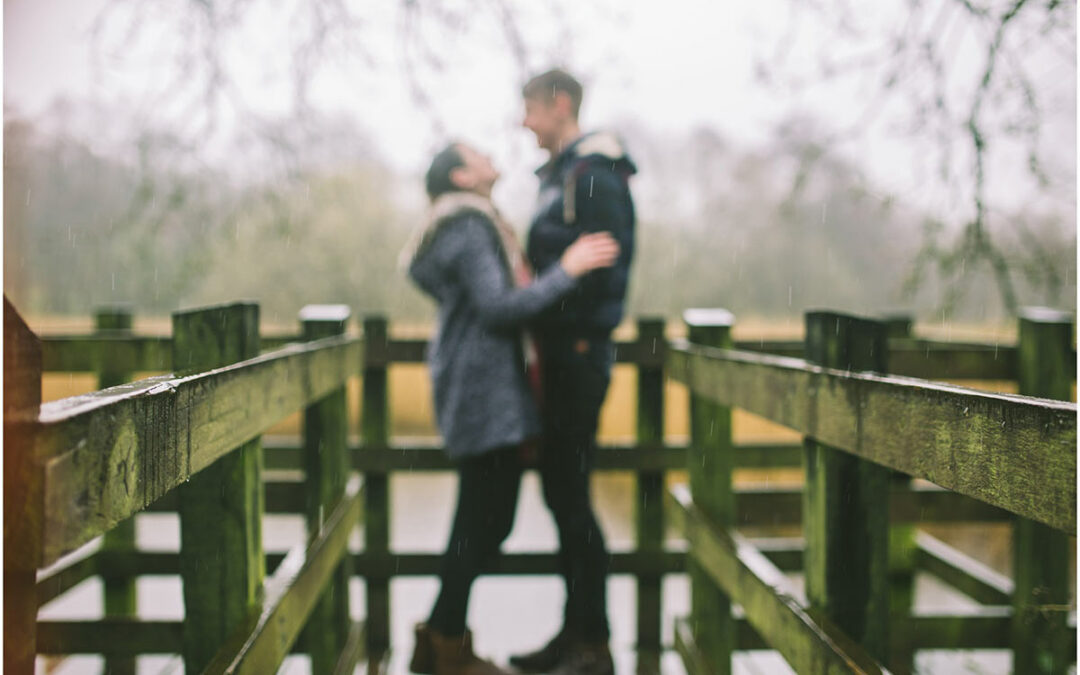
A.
pixel 670 66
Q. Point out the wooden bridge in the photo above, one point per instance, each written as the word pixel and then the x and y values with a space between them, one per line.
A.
pixel 190 442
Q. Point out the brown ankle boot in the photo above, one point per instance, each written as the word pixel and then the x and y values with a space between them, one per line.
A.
pixel 587 658
pixel 454 656
pixel 423 656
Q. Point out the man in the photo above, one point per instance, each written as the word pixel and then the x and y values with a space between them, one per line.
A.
pixel 583 188
pixel 470 262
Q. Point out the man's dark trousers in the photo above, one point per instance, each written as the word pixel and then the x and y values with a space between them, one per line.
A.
pixel 576 373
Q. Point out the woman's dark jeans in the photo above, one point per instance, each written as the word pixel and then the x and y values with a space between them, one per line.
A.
pixel 487 498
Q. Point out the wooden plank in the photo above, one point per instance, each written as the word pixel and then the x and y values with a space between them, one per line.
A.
pixel 23 507
pixel 375 433
pixel 965 441
pixel 423 564
pixel 754 506
pixel 107 455
pixel 988 628
pixel 985 628
pixel 709 462
pixel 326 470
pixel 89 353
pixel 927 359
pixel 846 500
pixel 649 492
pixel 132 353
pixel 354 650
pixel 110 637
pixel 902 561
pixel 63 580
pixel 411 454
pixel 414 351
pixel 220 507
pixel 930 359
pixel 119 591
pixel 260 645
pixel 1041 600
pixel 933 360
pixel 962 572
pixel 694 660
pixel 808 641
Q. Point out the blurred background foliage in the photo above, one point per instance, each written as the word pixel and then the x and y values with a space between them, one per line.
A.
pixel 222 177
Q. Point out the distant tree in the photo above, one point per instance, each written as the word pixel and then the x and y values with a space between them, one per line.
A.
pixel 200 49
pixel 975 86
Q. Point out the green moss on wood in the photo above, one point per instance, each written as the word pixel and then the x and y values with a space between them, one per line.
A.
pixel 1010 451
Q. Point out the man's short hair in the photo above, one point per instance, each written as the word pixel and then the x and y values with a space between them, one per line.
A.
pixel 438 180
pixel 544 86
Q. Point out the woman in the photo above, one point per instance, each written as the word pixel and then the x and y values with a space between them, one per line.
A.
pixel 471 263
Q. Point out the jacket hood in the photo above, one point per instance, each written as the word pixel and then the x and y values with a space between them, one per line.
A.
pixel 603 146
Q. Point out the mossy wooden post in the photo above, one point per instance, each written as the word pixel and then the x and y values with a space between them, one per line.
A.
pixel 710 462
pixel 846 500
pixel 119 590
pixel 375 434
pixel 899 325
pixel 23 505
pixel 1040 633
pixel 650 484
pixel 902 548
pixel 221 556
pixel 326 471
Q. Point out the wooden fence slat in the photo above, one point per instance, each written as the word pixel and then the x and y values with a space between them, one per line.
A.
pixel 421 564
pixel 754 506
pixel 326 471
pixel 988 628
pixel 23 507
pixel 962 572
pixel 353 651
pixel 709 462
pixel 111 637
pixel 63 580
pixel 846 500
pixel 649 498
pixel 220 507
pixel 119 591
pixel 412 454
pixel 930 359
pixel 1041 601
pixel 263 641
pixel 933 556
pixel 375 433
pixel 965 439
pixel 809 642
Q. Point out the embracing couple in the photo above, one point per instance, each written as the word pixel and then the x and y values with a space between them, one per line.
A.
pixel 520 366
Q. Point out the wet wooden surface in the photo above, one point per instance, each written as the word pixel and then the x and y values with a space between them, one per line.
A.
pixel 422 524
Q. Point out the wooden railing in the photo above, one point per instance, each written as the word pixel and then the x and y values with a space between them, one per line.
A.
pixel 163 430
pixel 79 467
pixel 1015 453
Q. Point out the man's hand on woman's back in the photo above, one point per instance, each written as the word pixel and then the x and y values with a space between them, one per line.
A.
pixel 590 251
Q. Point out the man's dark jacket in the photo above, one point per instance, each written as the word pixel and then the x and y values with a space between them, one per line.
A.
pixel 584 189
